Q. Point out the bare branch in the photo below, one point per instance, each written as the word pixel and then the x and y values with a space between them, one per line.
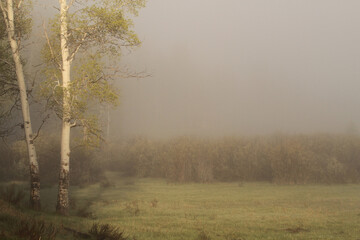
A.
pixel 7 62
pixel 4 11
pixel 74 124
pixel 9 83
pixel 19 5
pixel 71 3
pixel 8 131
pixel 78 46
pixel 56 8
pixel 41 125
pixel 50 47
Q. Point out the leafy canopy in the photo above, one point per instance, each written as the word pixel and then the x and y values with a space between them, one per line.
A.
pixel 9 90
pixel 97 32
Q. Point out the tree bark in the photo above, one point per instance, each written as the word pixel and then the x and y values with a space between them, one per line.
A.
pixel 34 166
pixel 64 177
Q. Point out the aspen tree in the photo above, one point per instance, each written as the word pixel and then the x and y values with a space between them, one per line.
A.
pixel 84 34
pixel 18 25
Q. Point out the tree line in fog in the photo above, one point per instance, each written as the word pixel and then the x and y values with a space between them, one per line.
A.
pixel 283 159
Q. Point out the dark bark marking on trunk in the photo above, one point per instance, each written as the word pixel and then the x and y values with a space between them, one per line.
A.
pixel 35 188
pixel 62 205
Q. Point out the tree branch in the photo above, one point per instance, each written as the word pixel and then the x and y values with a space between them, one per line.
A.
pixel 41 125
pixel 74 124
pixel 50 47
pixel 4 11
pixel 19 5
pixel 78 46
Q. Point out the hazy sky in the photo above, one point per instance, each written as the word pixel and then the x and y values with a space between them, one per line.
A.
pixel 235 67
pixel 243 67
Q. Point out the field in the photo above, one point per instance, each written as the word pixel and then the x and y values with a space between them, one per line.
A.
pixel 154 209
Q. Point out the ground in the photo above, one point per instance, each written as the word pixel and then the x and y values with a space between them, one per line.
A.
pixel 154 209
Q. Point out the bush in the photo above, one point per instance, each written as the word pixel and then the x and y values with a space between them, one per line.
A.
pixel 106 232
pixel 36 229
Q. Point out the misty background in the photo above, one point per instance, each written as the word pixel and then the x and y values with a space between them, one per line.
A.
pixel 241 67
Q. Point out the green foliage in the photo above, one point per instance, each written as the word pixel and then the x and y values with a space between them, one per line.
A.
pixel 9 92
pixel 97 31
pixel 22 19
pixel 90 77
pixel 106 23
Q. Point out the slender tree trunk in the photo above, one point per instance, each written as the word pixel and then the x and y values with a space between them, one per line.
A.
pixel 34 166
pixel 64 177
pixel 108 123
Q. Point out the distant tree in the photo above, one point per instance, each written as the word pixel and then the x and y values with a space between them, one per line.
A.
pixel 17 27
pixel 88 31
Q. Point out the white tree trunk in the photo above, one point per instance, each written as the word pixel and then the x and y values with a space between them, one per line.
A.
pixel 34 166
pixel 64 177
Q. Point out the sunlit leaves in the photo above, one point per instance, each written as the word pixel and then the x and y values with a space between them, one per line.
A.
pixel 22 18
pixel 97 31
pixel 104 26
pixel 9 90
pixel 90 85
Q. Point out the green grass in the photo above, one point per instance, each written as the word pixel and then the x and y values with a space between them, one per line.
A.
pixel 155 209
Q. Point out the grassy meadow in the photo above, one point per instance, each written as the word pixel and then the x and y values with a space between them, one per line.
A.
pixel 155 209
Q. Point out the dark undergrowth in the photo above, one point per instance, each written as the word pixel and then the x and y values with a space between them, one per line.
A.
pixel 22 224
pixel 15 224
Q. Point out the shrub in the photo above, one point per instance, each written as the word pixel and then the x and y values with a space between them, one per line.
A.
pixel 36 229
pixel 106 232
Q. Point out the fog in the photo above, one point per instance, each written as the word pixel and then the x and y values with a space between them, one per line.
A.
pixel 242 67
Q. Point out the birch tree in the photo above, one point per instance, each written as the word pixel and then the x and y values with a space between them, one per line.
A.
pixel 9 90
pixel 83 38
pixel 18 25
